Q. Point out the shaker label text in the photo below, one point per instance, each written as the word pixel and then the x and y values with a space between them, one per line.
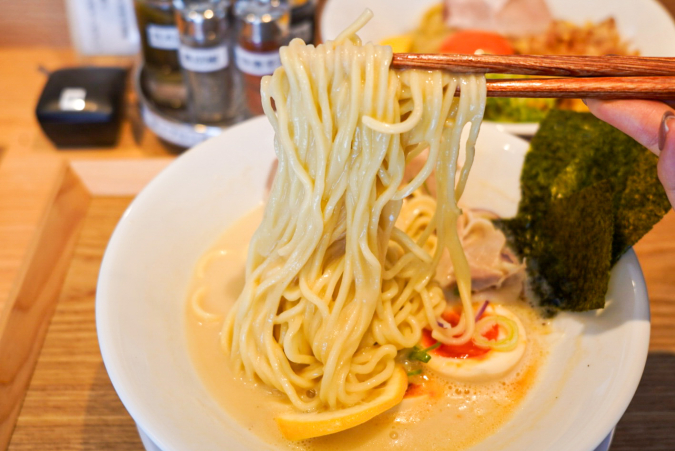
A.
pixel 254 63
pixel 203 59
pixel 164 37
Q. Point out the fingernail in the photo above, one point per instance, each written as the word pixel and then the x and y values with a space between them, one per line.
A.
pixel 663 129
pixel 584 100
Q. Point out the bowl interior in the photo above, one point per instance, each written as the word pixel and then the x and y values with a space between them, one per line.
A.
pixel 595 362
pixel 646 24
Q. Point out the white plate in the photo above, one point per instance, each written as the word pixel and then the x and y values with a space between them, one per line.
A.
pixel 594 368
pixel 645 23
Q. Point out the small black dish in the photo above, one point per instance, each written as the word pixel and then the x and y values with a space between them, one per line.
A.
pixel 82 107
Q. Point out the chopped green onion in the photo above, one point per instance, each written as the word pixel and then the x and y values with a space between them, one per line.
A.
pixel 419 355
pixel 423 355
pixel 414 373
pixel 508 343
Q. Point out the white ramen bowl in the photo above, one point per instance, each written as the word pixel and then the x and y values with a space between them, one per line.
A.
pixel 644 23
pixel 596 358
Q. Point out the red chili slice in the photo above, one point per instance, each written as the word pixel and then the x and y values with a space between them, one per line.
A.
pixel 467 350
pixel 467 42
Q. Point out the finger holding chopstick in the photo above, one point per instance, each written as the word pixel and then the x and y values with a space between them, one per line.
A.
pixel 650 123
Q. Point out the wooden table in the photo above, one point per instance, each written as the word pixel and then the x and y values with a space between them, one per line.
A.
pixel 69 403
pixel 50 196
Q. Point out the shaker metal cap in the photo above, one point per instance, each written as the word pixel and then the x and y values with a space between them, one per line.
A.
pixel 263 20
pixel 202 20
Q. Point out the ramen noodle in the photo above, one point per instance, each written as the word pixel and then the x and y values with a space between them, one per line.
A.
pixel 340 275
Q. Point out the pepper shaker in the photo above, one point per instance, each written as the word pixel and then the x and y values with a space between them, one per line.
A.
pixel 159 38
pixel 263 27
pixel 302 20
pixel 205 59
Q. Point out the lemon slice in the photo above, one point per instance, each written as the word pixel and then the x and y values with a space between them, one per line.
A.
pixel 301 426
pixel 399 44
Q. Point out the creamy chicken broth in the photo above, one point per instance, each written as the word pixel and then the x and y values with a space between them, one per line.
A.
pixel 436 414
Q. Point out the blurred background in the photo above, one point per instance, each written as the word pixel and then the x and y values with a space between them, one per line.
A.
pixel 151 117
pixel 181 79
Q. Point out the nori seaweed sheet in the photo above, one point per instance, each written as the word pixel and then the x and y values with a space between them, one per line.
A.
pixel 582 182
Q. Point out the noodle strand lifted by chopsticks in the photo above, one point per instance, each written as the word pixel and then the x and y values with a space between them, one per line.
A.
pixel 334 288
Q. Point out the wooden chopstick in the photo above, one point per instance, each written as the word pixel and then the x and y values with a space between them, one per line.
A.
pixel 656 88
pixel 607 77
pixel 547 65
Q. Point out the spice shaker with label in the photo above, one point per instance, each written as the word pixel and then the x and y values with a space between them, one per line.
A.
pixel 263 27
pixel 159 38
pixel 205 59
pixel 302 20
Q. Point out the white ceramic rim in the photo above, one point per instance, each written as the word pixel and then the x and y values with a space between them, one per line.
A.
pixel 151 425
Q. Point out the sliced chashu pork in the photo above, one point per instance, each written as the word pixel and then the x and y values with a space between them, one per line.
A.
pixel 491 262
pixel 507 17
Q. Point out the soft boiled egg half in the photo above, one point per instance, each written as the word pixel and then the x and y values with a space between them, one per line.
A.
pixel 473 363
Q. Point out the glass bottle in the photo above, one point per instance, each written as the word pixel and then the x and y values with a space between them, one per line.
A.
pixel 205 59
pixel 302 20
pixel 262 28
pixel 159 39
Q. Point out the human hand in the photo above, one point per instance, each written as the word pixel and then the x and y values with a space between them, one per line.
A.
pixel 650 123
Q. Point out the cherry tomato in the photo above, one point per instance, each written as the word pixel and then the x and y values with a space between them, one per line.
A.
pixel 467 42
